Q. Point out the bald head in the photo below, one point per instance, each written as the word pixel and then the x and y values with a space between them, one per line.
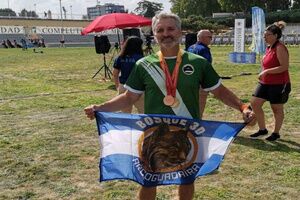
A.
pixel 204 36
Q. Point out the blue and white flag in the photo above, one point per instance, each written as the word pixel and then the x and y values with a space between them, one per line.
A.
pixel 258 28
pixel 161 149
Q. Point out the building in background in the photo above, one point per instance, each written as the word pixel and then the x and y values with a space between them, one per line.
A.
pixel 98 10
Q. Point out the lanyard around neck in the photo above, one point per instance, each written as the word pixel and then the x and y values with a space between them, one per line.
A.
pixel 171 81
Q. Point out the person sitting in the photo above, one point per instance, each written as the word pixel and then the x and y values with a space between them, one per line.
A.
pixel 4 44
pixel 16 44
pixel 9 44
pixel 42 43
pixel 24 44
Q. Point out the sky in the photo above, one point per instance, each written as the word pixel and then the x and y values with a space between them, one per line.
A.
pixel 76 7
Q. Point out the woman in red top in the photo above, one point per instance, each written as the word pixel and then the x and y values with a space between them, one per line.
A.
pixel 274 82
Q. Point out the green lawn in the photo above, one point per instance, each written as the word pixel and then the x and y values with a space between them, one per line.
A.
pixel 49 150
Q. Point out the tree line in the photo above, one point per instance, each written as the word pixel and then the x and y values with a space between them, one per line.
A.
pixel 205 8
pixel 23 13
pixel 196 14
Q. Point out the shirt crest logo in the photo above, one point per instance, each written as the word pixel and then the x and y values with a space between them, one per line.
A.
pixel 188 69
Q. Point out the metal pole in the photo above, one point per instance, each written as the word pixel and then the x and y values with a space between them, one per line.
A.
pixel 71 11
pixel 8 3
pixel 62 40
pixel 60 10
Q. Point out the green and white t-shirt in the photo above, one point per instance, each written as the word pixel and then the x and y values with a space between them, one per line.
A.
pixel 194 71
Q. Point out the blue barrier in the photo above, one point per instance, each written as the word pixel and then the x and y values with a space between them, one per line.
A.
pixel 242 57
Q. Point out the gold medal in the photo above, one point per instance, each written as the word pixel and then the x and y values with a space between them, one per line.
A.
pixel 176 103
pixel 169 100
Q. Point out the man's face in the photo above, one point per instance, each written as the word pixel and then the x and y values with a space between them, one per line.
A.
pixel 167 34
pixel 206 38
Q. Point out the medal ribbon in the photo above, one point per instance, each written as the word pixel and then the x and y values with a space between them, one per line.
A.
pixel 171 81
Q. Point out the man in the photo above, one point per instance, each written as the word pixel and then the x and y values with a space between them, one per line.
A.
pixel 176 93
pixel 201 48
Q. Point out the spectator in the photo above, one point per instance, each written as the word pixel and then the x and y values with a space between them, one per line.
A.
pixel 131 52
pixel 4 44
pixel 204 38
pixel 42 43
pixel 201 48
pixel 274 82
pixel 62 41
pixel 24 44
pixel 16 44
pixel 9 44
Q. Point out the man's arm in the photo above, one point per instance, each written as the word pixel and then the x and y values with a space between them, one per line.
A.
pixel 117 103
pixel 230 99
pixel 227 97
pixel 116 73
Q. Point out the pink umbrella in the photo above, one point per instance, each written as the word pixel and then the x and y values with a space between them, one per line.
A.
pixel 115 20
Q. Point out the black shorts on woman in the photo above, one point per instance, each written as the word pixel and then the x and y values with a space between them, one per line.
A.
pixel 275 94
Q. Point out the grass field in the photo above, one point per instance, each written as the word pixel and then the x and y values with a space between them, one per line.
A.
pixel 49 150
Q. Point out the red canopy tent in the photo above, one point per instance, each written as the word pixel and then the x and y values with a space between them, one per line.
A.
pixel 115 20
pixel 111 21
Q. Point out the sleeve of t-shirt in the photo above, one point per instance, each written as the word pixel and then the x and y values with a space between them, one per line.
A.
pixel 117 63
pixel 135 81
pixel 211 80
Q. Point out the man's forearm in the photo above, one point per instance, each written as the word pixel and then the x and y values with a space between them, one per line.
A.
pixel 118 103
pixel 228 97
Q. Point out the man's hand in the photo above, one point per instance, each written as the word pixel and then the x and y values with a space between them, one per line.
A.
pixel 117 103
pixel 249 116
pixel 90 111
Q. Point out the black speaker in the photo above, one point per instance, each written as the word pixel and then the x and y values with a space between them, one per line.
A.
pixel 190 39
pixel 131 32
pixel 102 44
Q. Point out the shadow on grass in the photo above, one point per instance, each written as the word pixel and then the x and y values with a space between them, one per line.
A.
pixel 111 87
pixel 261 144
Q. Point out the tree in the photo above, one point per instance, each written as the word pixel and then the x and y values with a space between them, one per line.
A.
pixel 212 7
pixel 85 17
pixel 178 7
pixel 7 12
pixel 148 9
pixel 245 6
pixel 241 5
pixel 25 13
pixel 195 23
pixel 274 5
pixel 185 8
pixel 296 4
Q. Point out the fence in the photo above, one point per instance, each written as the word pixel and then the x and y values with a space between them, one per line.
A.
pixel 289 39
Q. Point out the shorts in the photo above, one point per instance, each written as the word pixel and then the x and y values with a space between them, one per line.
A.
pixel 275 94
